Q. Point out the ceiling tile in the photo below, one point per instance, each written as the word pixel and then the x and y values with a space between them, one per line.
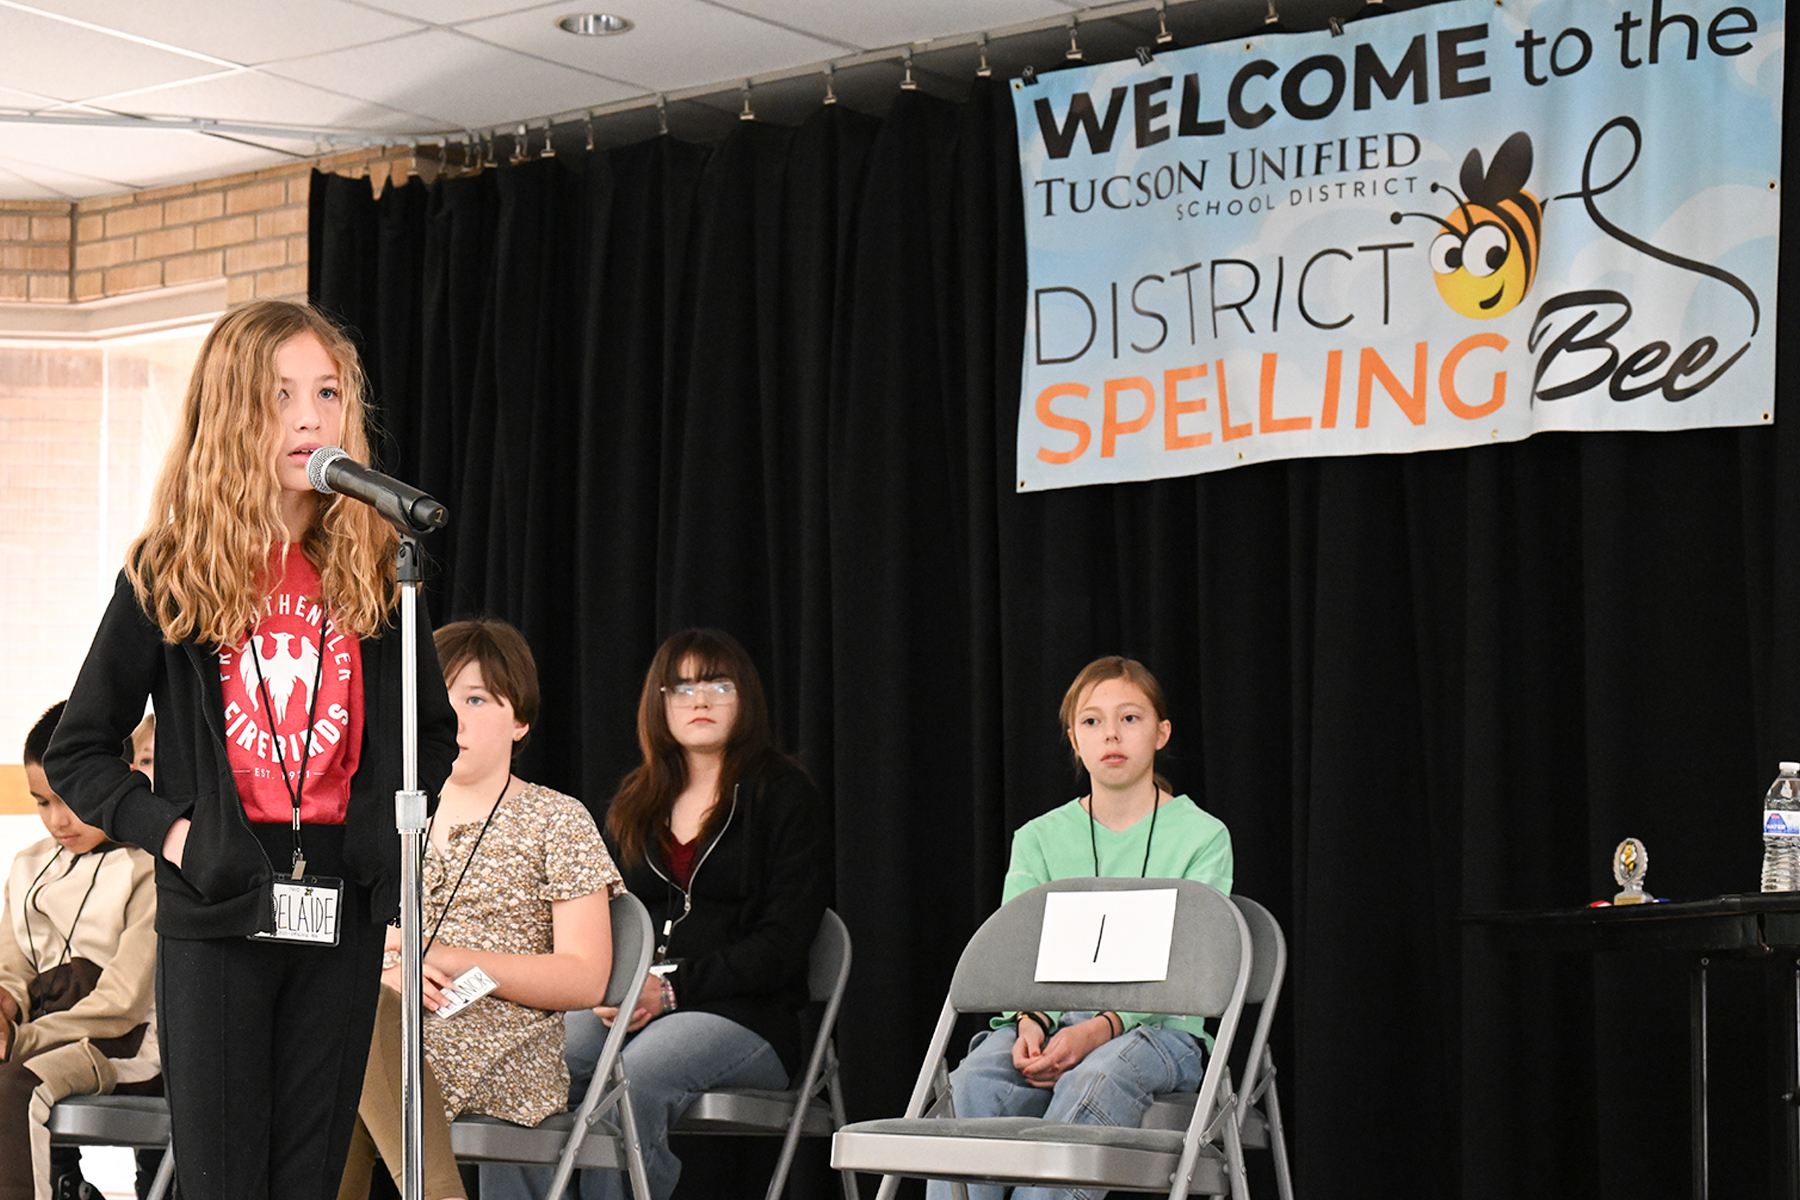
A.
pixel 241 31
pixel 459 82
pixel 675 44
pixel 70 63
pixel 36 181
pixel 257 97
pixel 877 26
pixel 408 68
pixel 12 99
pixel 124 159
pixel 455 12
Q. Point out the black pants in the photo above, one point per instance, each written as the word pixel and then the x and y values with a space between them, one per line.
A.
pixel 263 1048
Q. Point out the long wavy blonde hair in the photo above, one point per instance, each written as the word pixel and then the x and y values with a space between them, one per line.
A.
pixel 200 566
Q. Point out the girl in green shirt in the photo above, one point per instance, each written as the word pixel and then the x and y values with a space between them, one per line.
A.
pixel 1098 1068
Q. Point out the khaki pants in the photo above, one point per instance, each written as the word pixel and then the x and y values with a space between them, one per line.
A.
pixel 379 1118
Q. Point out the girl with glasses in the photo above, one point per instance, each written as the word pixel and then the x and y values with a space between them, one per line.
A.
pixel 723 838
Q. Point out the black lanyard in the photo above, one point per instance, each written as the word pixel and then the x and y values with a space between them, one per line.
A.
pixel 1094 839
pixel 34 899
pixel 451 898
pixel 295 789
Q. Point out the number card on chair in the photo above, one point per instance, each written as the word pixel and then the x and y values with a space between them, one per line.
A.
pixel 1106 937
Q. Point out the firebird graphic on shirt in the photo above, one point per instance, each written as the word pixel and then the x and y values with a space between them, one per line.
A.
pixel 287 744
pixel 281 671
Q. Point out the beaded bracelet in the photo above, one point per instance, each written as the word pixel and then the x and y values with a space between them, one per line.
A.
pixel 668 993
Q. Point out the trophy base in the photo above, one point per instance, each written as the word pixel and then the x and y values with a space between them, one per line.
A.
pixel 1633 896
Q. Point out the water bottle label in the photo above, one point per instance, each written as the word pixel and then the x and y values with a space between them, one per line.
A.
pixel 1779 823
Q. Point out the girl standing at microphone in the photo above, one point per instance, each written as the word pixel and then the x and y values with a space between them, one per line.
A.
pixel 257 615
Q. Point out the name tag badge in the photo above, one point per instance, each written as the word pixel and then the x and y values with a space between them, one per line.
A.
pixel 1106 937
pixel 306 911
pixel 465 990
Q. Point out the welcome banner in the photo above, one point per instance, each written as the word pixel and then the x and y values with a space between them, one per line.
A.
pixel 1463 224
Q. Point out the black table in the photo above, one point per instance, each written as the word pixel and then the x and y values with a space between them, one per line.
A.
pixel 1754 926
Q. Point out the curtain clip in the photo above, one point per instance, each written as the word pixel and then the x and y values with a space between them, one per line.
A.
pixel 907 82
pixel 984 71
pixel 1337 25
pixel 749 114
pixel 524 135
pixel 1163 36
pixel 1144 56
pixel 549 151
pixel 590 130
pixel 830 91
pixel 1028 75
pixel 1074 52
pixel 1273 17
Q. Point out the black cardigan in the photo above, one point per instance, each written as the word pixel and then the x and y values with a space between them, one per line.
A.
pixel 221 888
pixel 758 892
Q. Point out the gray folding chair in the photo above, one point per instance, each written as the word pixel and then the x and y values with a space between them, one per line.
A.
pixel 815 1108
pixel 140 1122
pixel 1209 971
pixel 600 1132
pixel 1258 1107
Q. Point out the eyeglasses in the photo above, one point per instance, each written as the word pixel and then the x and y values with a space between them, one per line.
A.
pixel 716 691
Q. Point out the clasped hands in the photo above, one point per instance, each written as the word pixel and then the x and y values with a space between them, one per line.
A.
pixel 1044 1061
pixel 649 1006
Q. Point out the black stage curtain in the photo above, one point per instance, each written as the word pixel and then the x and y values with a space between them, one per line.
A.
pixel 772 386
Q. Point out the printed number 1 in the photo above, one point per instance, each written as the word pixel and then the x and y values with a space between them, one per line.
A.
pixel 1097 940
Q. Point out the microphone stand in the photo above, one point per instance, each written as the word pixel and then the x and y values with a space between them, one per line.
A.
pixel 409 818
pixel 411 513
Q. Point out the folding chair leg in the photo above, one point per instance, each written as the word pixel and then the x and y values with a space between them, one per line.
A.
pixel 889 1185
pixel 1284 1183
pixel 847 1179
pixel 634 1151
pixel 789 1144
pixel 565 1163
pixel 1234 1160
pixel 165 1174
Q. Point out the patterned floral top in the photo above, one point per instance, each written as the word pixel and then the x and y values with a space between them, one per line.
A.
pixel 497 1057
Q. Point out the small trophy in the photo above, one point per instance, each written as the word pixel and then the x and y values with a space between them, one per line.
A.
pixel 1630 861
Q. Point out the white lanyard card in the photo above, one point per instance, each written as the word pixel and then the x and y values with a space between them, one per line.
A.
pixel 465 990
pixel 1106 937
pixel 306 910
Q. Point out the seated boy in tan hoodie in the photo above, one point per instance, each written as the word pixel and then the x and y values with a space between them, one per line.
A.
pixel 77 976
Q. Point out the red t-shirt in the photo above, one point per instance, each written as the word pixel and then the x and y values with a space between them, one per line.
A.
pixel 295 644
pixel 681 860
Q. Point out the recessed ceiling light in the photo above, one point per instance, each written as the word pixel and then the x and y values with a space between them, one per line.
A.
pixel 593 24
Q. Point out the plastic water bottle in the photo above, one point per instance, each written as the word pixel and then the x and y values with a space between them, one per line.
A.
pixel 1781 832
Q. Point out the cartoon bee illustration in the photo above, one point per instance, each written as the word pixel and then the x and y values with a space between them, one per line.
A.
pixel 1487 256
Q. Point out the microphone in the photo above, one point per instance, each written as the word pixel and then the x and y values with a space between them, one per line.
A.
pixel 330 469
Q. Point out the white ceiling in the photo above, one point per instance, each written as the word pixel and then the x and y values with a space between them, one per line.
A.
pixel 89 82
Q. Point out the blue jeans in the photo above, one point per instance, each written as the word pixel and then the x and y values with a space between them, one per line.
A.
pixel 1112 1086
pixel 669 1062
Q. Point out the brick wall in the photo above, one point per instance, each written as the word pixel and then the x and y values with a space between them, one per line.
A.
pixel 83 419
pixel 248 230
